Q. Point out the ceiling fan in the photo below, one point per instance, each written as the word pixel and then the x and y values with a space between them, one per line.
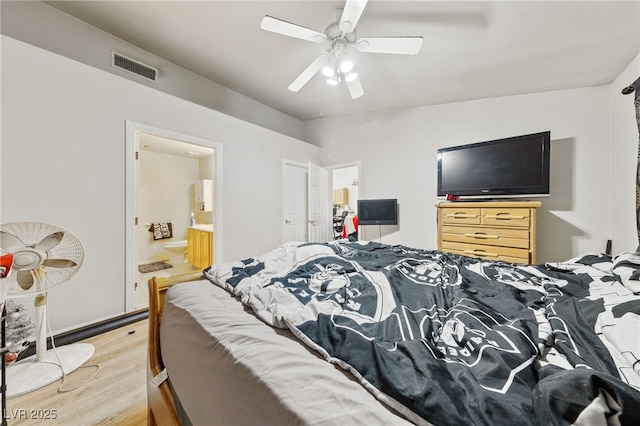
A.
pixel 340 37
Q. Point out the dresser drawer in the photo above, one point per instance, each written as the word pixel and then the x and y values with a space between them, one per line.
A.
pixel 517 217
pixel 506 237
pixel 462 215
pixel 505 254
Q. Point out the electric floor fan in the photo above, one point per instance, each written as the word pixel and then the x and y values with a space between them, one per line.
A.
pixel 44 257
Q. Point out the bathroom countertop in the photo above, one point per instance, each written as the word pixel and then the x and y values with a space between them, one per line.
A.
pixel 203 227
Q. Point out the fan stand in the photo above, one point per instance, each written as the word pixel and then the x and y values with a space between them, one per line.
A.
pixel 46 366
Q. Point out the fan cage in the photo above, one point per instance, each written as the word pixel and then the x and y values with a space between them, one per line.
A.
pixel 45 277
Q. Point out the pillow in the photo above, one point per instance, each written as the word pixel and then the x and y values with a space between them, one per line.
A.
pixel 627 267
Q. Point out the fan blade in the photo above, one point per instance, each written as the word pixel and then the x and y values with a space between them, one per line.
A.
pixel 279 26
pixel 397 45
pixel 10 242
pixel 25 279
pixel 50 241
pixel 59 263
pixel 351 15
pixel 355 87
pixel 309 72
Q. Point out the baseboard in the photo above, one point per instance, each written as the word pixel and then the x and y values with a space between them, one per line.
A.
pixel 91 330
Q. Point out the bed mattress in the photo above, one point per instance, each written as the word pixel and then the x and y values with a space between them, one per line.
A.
pixel 228 367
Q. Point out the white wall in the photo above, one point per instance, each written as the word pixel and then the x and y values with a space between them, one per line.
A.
pixel 39 24
pixel 624 151
pixel 207 170
pixel 63 162
pixel 397 150
pixel 165 195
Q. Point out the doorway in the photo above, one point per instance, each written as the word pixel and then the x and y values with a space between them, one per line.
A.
pixel 307 199
pixel 345 180
pixel 163 171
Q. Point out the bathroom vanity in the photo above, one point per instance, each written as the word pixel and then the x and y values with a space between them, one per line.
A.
pixel 200 246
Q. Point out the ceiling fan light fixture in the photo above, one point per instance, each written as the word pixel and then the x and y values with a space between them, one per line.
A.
pixel 346 65
pixel 328 71
pixel 340 39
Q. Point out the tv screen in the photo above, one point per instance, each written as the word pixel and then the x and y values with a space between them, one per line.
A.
pixel 501 168
pixel 378 212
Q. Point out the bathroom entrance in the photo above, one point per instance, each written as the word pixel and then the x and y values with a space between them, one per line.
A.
pixel 176 190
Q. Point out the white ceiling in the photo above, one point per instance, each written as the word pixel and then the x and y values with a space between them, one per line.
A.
pixel 471 50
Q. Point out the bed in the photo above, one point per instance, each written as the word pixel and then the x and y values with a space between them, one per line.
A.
pixel 367 333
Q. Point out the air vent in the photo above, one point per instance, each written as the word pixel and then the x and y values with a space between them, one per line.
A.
pixel 130 65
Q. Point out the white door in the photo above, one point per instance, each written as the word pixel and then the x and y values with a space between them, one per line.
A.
pixel 294 195
pixel 319 204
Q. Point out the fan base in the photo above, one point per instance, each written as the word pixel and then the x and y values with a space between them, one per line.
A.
pixel 28 374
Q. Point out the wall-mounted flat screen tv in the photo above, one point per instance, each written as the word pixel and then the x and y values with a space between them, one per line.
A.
pixel 378 212
pixel 503 168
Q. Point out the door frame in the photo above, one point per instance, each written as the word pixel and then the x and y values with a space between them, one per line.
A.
pixel 350 164
pixel 132 129
pixel 356 163
pixel 319 225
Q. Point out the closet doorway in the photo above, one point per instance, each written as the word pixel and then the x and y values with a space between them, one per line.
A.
pixel 345 182
pixel 346 177
pixel 165 171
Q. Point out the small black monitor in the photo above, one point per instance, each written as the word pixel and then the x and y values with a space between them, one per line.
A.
pixel 378 212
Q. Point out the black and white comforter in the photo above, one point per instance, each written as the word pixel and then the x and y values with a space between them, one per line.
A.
pixel 453 340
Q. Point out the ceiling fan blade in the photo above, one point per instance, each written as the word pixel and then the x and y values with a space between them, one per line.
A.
pixel 279 26
pixel 351 15
pixel 59 263
pixel 309 72
pixel 50 241
pixel 25 279
pixel 355 88
pixel 10 242
pixel 398 45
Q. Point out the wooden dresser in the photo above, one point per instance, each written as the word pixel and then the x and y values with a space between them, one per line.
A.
pixel 490 230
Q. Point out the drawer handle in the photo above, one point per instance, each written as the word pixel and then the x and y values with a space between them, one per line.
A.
pixel 482 236
pixel 481 253
pixel 461 215
pixel 505 217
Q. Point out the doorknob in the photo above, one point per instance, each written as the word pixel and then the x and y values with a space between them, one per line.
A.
pixel 312 222
pixel 288 222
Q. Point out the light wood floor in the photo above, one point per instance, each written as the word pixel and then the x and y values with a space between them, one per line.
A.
pixel 142 290
pixel 117 395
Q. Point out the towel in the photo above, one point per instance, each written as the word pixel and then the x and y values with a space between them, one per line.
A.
pixel 350 226
pixel 161 230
